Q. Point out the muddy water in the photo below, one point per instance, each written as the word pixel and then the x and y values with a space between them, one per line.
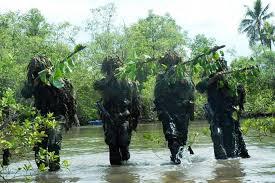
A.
pixel 88 155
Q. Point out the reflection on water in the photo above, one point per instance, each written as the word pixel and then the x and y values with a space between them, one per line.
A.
pixel 119 174
pixel 173 176
pixel 53 177
pixel 85 149
pixel 230 171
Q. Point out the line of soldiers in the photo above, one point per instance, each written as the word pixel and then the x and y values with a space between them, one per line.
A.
pixel 120 109
pixel 174 104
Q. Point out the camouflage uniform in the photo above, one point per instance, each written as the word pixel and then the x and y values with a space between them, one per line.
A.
pixel 174 105
pixel 6 156
pixel 49 99
pixel 121 100
pixel 222 103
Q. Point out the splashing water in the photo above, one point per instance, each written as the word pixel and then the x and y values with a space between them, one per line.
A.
pixel 185 156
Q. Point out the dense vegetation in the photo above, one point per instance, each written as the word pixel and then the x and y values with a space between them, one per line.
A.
pixel 140 45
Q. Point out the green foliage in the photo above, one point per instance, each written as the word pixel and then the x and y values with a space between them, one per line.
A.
pixel 148 40
pixel 82 79
pixel 258 83
pixel 20 124
pixel 153 138
pixel 140 45
pixel 206 131
pixel 209 62
pixel 192 138
pixel 154 35
pixel 54 75
pixel 260 127
pixel 200 100
pixel 268 34
pixel 65 164
pixel 106 38
pixel 21 129
pixel 200 43
pixel 24 36
pixel 147 97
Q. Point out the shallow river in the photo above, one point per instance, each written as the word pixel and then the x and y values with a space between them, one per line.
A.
pixel 88 156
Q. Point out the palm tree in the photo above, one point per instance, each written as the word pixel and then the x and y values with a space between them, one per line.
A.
pixel 268 34
pixel 253 22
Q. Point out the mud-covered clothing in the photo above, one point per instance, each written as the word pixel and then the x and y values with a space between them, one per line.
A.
pixel 225 130
pixel 174 102
pixel 121 100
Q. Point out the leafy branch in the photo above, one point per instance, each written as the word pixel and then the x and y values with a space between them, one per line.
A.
pixel 54 75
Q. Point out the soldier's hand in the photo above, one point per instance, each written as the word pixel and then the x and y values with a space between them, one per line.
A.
pixel 216 77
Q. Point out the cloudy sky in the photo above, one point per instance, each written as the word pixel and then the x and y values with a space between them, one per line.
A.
pixel 214 18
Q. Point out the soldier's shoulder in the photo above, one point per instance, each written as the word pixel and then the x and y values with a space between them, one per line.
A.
pixel 99 84
pixel 202 85
pixel 160 77
pixel 186 81
pixel 131 84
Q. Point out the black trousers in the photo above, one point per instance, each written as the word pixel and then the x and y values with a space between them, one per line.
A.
pixel 223 135
pixel 175 126
pixel 50 143
pixel 118 137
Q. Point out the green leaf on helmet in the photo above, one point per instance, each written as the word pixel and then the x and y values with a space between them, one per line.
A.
pixel 58 73
pixel 43 76
pixel 58 83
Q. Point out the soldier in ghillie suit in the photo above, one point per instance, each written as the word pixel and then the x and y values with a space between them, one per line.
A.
pixel 174 102
pixel 222 103
pixel 119 110
pixel 49 99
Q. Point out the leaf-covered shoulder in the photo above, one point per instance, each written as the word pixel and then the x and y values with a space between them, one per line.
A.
pixel 100 84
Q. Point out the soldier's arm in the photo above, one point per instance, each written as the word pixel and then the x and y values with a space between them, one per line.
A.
pixel 159 92
pixel 136 106
pixel 99 84
pixel 73 105
pixel 241 96
pixel 215 78
pixel 27 90
pixel 202 85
